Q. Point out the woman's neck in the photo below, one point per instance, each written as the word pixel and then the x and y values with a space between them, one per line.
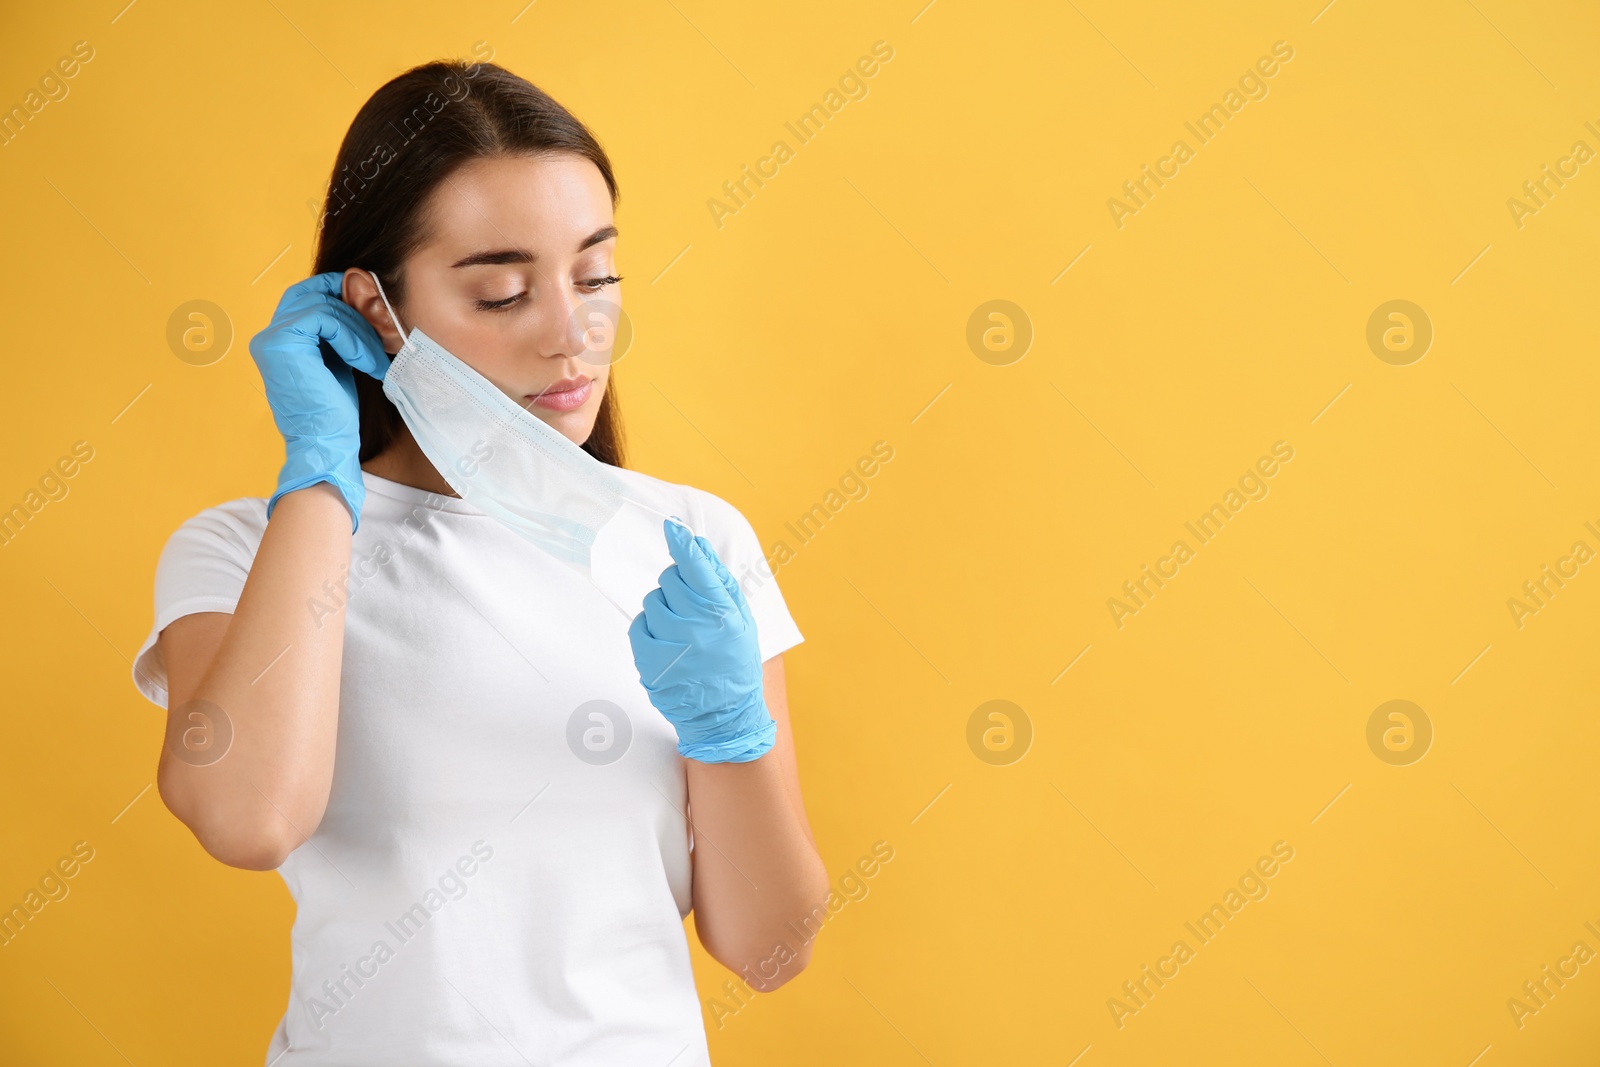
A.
pixel 403 462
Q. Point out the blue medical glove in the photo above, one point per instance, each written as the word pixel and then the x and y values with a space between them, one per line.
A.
pixel 695 647
pixel 312 396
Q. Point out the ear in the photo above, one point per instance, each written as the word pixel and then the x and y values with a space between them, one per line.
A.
pixel 361 293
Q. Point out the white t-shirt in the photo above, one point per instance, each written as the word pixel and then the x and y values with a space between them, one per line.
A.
pixel 503 870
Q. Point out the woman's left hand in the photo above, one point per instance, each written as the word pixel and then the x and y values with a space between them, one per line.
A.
pixel 695 647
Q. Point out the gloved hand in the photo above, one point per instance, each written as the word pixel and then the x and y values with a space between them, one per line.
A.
pixel 695 647
pixel 312 396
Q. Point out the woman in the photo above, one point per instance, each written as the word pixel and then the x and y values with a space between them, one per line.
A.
pixel 440 736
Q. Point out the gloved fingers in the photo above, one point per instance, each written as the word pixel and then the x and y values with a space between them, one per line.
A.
pixel 348 334
pixel 695 563
pixel 346 379
pixel 313 309
pixel 309 291
pixel 646 649
pixel 639 634
pixel 654 655
pixel 739 607
pixel 298 389
pixel 683 600
pixel 643 641
pixel 330 282
pixel 662 623
pixel 678 675
pixel 723 574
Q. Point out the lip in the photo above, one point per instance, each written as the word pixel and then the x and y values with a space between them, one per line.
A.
pixel 565 395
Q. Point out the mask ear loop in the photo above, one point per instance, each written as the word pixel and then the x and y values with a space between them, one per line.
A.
pixel 661 515
pixel 392 316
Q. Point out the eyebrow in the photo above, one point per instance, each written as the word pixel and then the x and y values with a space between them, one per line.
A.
pixel 501 256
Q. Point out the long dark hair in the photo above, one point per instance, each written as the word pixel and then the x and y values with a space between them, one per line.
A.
pixel 406 139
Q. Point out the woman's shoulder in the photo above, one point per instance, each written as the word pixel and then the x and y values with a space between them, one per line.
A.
pixel 737 546
pixel 238 523
pixel 700 507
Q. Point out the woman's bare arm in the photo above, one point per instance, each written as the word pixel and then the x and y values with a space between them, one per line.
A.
pixel 273 671
pixel 756 867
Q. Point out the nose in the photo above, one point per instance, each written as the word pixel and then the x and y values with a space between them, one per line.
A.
pixel 563 325
pixel 596 320
pixel 578 327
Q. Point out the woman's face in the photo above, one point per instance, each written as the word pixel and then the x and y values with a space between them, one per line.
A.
pixel 517 272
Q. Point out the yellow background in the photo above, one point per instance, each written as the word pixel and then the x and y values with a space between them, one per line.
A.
pixel 829 313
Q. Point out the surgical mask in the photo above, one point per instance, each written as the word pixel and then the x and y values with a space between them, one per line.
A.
pixel 502 458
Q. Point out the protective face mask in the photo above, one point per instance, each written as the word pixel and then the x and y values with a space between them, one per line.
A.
pixel 502 458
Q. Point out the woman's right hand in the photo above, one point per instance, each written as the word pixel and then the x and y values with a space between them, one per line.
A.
pixel 313 398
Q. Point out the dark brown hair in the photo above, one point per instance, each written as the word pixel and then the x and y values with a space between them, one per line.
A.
pixel 411 135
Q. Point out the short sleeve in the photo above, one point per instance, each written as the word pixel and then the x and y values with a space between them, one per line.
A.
pixel 737 545
pixel 203 567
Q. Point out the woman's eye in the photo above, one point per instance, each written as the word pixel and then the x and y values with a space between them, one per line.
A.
pixel 498 305
pixel 592 285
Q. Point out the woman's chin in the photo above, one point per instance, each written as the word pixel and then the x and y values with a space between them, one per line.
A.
pixel 575 426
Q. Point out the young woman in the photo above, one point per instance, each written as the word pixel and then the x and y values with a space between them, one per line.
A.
pixel 439 735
